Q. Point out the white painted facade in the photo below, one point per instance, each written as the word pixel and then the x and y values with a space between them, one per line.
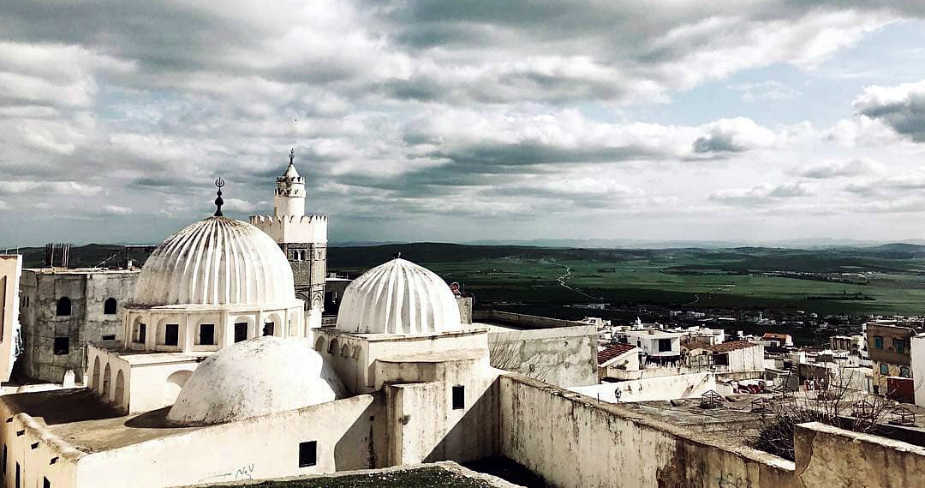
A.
pixel 918 368
pixel 655 343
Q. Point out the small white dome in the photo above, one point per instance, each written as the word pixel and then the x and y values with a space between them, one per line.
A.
pixel 398 297
pixel 255 377
pixel 216 261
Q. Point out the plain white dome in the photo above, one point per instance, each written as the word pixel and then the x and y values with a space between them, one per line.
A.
pixel 216 261
pixel 398 297
pixel 256 377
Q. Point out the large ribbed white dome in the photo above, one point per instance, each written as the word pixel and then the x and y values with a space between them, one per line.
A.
pixel 398 297
pixel 256 377
pixel 216 261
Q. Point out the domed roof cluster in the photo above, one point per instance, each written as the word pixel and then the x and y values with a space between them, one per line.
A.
pixel 398 297
pixel 255 377
pixel 216 261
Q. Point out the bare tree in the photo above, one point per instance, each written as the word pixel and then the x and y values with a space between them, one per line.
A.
pixel 832 401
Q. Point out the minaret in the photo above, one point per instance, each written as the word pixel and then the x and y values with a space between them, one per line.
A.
pixel 289 198
pixel 303 238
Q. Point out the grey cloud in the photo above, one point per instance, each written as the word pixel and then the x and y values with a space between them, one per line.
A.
pixel 901 107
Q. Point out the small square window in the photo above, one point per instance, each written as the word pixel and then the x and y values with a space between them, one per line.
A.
pixel 207 334
pixel 240 331
pixel 884 368
pixel 62 345
pixel 171 334
pixel 459 397
pixel 878 342
pixel 109 337
pixel 308 454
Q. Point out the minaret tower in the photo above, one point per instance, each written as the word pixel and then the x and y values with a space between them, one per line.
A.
pixel 289 198
pixel 303 238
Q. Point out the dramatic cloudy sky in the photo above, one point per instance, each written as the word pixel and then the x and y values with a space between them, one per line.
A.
pixel 463 120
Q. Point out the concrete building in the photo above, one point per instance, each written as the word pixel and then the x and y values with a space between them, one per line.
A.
pixel 10 301
pixel 890 352
pixel 731 357
pixel 771 339
pixel 657 345
pixel 302 238
pixel 63 310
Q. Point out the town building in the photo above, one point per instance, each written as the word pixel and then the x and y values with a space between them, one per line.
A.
pixel 729 357
pixel 890 352
pixel 615 359
pixel 10 301
pixel 658 346
pixel 62 310
pixel 302 238
pixel 917 364
pixel 775 340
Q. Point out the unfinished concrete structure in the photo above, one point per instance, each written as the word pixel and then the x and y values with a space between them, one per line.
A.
pixel 63 310
pixel 10 338
pixel 302 238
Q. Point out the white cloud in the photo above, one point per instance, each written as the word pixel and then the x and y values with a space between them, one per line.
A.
pixel 838 169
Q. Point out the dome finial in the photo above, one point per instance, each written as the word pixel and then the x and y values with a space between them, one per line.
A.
pixel 396 255
pixel 291 155
pixel 219 183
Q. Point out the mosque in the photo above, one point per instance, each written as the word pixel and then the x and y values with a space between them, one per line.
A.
pixel 224 374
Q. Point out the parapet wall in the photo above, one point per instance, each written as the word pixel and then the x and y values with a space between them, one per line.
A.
pixel 293 229
pixel 573 441
pixel 522 320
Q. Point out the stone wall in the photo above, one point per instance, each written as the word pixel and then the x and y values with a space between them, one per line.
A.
pixel 653 389
pixel 87 322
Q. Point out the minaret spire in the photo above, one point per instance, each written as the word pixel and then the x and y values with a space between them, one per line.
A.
pixel 291 156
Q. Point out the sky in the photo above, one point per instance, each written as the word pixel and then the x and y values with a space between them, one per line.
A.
pixel 428 120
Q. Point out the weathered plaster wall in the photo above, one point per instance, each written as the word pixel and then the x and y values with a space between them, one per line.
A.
pixel 828 456
pixel 563 356
pixel 423 426
pixel 51 458
pixel 573 441
pixel 348 432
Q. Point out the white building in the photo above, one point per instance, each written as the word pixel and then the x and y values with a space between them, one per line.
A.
pixel 214 283
pixel 656 345
pixel 918 368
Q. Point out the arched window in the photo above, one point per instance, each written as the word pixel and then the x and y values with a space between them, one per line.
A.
pixel 63 309
pixel 109 306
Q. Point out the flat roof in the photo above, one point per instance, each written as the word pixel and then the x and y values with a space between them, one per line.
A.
pixel 81 419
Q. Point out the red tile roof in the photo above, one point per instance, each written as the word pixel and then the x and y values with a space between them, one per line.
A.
pixel 727 346
pixel 613 351
pixel 772 335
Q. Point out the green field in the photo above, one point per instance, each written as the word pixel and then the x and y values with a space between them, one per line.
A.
pixel 883 280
